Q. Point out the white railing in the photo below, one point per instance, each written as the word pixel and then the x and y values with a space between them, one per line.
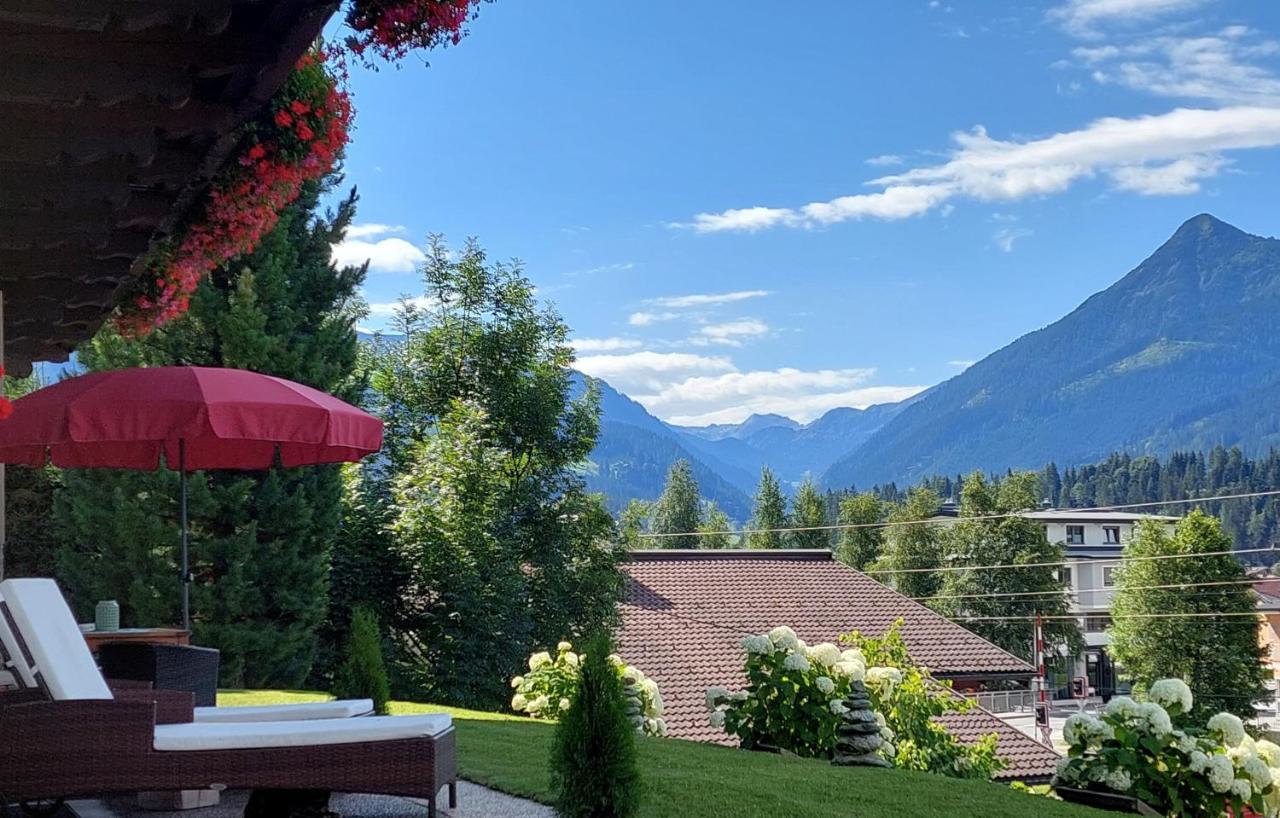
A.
pixel 1004 701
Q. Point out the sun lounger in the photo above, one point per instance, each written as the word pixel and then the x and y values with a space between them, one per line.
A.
pixel 83 740
pixel 42 647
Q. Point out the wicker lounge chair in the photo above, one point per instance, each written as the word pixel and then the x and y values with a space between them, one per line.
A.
pixel 83 740
pixel 67 659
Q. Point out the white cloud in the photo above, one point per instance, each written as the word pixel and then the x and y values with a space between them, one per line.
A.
pixel 618 267
pixel 1081 17
pixel 1227 67
pixel 988 169
pixel 681 302
pixel 1176 178
pixel 803 395
pixel 581 345
pixel 644 319
pixel 731 333
pixel 745 219
pixel 885 160
pixel 1006 237
pixel 647 372
pixel 386 255
pixel 387 309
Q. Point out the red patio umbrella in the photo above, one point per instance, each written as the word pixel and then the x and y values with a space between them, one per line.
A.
pixel 198 417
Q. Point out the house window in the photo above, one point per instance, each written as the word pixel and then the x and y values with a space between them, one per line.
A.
pixel 1064 575
pixel 1111 534
pixel 1075 535
pixel 1108 576
pixel 1097 623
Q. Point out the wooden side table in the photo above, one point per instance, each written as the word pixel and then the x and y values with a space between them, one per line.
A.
pixel 148 636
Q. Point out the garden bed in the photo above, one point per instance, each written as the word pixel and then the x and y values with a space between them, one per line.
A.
pixel 683 778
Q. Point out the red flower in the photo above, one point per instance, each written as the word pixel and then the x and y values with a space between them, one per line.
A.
pixel 257 152
pixel 305 133
pixel 283 119
pixel 299 107
pixel 6 408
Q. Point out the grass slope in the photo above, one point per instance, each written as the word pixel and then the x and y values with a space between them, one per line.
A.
pixel 683 778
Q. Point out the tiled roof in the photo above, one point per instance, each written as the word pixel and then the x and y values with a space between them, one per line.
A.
pixel 685 612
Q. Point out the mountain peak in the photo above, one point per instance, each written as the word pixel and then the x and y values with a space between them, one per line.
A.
pixel 1204 227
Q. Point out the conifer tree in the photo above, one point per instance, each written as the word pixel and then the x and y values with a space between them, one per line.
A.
pixel 860 547
pixel 1214 648
pixel 259 540
pixel 769 513
pixel 363 674
pixel 809 510
pixel 678 510
pixel 715 524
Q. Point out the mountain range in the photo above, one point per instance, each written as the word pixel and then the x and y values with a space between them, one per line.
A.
pixel 1183 352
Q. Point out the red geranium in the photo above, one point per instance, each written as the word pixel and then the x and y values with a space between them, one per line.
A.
pixel 393 28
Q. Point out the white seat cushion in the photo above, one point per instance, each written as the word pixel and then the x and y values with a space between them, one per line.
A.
pixel 57 646
pixel 252 735
pixel 345 709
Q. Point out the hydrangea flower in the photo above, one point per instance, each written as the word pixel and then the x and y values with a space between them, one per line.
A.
pixel 564 647
pixel 757 644
pixel 838 707
pixel 856 671
pixel 796 661
pixel 1067 772
pixel 1172 692
pixel 884 677
pixel 537 704
pixel 1118 781
pixel 1122 706
pixel 714 695
pixel 825 654
pixel 1242 789
pixel 571 659
pixel 1199 762
pixel 826 685
pixel 516 681
pixel 1186 743
pixel 852 655
pixel 564 703
pixel 716 718
pixel 1082 730
pixel 537 660
pixel 1155 718
pixel 784 637
pixel 1268 751
pixel 1221 773
pixel 518 702
pixel 1258 771
pixel 1229 727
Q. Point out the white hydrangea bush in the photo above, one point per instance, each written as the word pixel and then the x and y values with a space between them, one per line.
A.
pixel 1144 749
pixel 546 690
pixel 795 694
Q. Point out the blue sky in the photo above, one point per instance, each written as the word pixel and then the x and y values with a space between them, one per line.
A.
pixel 740 207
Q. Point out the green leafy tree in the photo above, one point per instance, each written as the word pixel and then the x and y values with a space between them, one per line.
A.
pixel 363 674
pixel 911 547
pixel 1012 540
pixel 477 400
pixel 260 541
pixel 861 547
pixel 809 510
pixel 633 522
pixel 715 527
pixel 594 771
pixel 912 707
pixel 1208 636
pixel 678 511
pixel 769 513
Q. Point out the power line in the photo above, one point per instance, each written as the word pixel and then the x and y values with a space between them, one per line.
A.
pixel 1067 592
pixel 1064 617
pixel 944 520
pixel 1116 561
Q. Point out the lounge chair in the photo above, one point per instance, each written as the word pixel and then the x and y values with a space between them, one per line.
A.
pixel 50 653
pixel 83 740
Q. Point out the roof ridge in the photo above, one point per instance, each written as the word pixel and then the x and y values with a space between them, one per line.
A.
pixel 760 554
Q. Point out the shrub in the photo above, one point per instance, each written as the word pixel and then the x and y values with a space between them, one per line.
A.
pixel 363 674
pixel 910 702
pixel 545 692
pixel 593 760
pixel 1150 751
pixel 794 697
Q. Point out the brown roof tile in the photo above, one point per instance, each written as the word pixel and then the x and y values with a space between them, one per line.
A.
pixel 685 612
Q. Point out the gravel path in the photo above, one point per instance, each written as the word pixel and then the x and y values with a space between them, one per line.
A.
pixel 474 801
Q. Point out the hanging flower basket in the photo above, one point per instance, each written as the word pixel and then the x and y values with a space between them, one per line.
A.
pixel 390 29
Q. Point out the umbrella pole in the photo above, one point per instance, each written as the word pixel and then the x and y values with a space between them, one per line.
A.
pixel 185 568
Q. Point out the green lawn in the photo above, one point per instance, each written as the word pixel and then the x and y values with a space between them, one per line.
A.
pixel 683 778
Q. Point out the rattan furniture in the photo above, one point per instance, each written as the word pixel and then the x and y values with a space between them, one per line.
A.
pixel 166 667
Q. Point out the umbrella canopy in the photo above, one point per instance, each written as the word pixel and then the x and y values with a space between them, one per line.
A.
pixel 223 418
pixel 197 417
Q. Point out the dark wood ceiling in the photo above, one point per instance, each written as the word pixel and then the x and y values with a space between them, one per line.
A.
pixel 114 115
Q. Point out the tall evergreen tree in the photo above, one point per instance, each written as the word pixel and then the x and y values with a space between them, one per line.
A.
pixel 260 541
pixel 912 547
pixel 1006 541
pixel 519 554
pixel 715 525
pixel 860 547
pixel 1214 646
pixel 678 511
pixel 809 510
pixel 769 513
pixel 633 522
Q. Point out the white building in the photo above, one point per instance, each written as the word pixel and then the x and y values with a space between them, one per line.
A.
pixel 1094 543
